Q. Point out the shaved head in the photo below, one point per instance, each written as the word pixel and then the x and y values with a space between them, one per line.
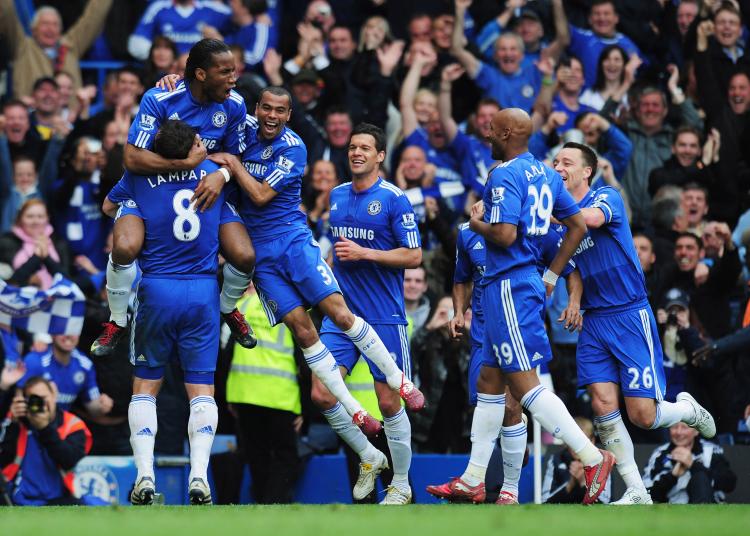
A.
pixel 510 131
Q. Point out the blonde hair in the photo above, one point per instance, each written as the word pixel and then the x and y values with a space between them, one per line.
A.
pixel 387 35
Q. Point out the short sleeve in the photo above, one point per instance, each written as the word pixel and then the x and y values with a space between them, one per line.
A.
pixel 564 206
pixel 502 197
pixel 463 271
pixel 235 140
pixel 609 201
pixel 404 223
pixel 288 166
pixel 484 78
pixel 146 122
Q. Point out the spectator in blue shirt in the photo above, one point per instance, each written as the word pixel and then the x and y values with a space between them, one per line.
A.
pixel 183 21
pixel 527 23
pixel 72 373
pixel 589 44
pixel 512 83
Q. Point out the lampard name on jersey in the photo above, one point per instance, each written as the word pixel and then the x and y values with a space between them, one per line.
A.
pixel 176 176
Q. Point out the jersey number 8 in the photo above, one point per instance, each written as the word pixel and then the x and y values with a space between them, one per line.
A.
pixel 541 209
pixel 187 224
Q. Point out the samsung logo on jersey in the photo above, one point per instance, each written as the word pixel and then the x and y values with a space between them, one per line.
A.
pixel 176 176
pixel 585 244
pixel 255 169
pixel 353 232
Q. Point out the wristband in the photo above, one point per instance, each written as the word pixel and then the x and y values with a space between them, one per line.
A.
pixel 548 81
pixel 225 172
pixel 550 277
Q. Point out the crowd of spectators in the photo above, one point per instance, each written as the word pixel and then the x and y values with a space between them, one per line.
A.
pixel 661 90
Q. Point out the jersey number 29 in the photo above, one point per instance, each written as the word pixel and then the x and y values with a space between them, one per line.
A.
pixel 541 209
pixel 187 225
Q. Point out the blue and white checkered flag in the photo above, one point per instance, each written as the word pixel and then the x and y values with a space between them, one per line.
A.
pixel 56 311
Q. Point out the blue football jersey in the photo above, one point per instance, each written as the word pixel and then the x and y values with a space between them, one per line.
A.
pixel 612 275
pixel 221 126
pixel 471 254
pixel 183 24
pixel 280 163
pixel 178 240
pixel 380 217
pixel 76 379
pixel 524 192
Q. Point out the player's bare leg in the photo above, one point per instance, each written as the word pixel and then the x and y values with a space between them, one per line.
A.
pixel 369 343
pixel 238 271
pixel 202 424
pixel 143 428
pixel 552 414
pixel 398 434
pixel 323 365
pixel 372 461
pixel 127 241
pixel 645 413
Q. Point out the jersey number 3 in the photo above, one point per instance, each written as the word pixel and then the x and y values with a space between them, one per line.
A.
pixel 187 225
pixel 541 209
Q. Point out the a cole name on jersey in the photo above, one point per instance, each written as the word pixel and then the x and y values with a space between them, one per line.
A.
pixel 353 232
pixel 176 176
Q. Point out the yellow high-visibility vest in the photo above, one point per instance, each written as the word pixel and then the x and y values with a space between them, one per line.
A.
pixel 266 375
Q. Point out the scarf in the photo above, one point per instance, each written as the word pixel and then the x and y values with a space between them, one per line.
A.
pixel 27 251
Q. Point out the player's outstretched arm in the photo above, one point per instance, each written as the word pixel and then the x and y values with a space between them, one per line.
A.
pixel 260 193
pixel 347 251
pixel 145 162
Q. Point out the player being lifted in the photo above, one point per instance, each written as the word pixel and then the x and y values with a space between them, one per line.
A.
pixel 521 196
pixel 290 273
pixel 375 238
pixel 207 103
pixel 619 349
pixel 177 303
pixel 485 377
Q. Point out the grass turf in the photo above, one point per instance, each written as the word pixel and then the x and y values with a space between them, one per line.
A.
pixel 325 520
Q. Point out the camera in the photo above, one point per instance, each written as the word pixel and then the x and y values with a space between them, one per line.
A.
pixel 35 404
pixel 672 319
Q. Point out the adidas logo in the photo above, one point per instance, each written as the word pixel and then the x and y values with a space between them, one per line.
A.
pixel 145 432
pixel 208 429
pixel 141 358
pixel 537 356
pixel 478 245
pixel 334 206
pixel 174 116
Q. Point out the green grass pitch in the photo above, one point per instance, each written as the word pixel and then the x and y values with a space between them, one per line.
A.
pixel 333 520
